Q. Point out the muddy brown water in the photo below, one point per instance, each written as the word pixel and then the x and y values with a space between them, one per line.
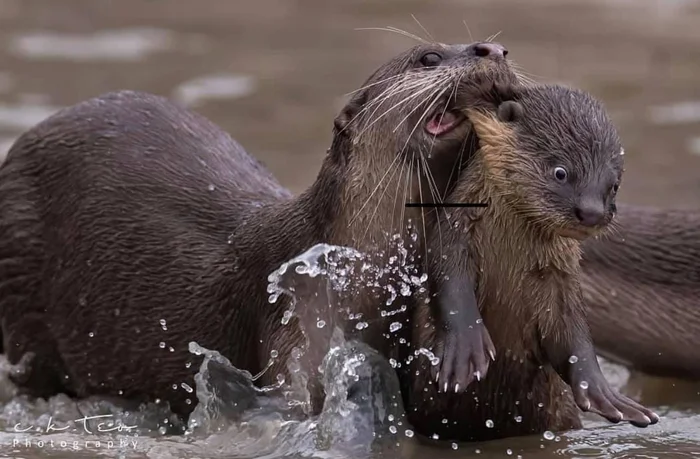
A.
pixel 274 73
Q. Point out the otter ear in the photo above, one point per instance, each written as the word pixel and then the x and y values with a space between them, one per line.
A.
pixel 510 111
pixel 349 112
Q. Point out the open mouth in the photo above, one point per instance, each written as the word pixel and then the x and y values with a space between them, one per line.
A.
pixel 444 121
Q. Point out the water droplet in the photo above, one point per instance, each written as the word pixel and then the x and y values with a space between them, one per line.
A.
pixel 162 430
pixel 174 386
pixel 187 387
pixel 392 429
pixel 573 359
pixel 548 435
pixel 188 401
pixel 455 446
pixel 171 349
pixel 393 363
pixel 509 452
pixel 518 419
pixel 211 187
pixel 584 385
pixel 91 334
pixel 361 325
pixel 435 437
pixel 274 354
pixel 489 423
pixel 444 421
pixel 390 418
pixel 82 301
pixel 540 405
pixel 409 433
pixel 188 364
pixel 163 324
pixel 477 451
pixel 395 326
pixel 161 345
pixel 321 323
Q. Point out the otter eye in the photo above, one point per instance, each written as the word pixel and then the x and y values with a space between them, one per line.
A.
pixel 560 174
pixel 431 59
pixel 616 187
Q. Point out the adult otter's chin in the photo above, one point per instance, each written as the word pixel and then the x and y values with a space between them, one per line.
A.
pixel 127 212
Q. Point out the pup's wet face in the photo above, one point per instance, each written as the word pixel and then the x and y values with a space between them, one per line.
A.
pixel 563 162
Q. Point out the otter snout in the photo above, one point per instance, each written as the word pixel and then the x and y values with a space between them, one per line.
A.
pixel 487 50
pixel 590 213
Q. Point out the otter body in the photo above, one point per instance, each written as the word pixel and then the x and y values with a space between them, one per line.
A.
pixel 130 226
pixel 642 287
pixel 548 166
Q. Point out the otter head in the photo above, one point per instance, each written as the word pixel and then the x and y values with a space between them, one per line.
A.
pixel 554 154
pixel 408 116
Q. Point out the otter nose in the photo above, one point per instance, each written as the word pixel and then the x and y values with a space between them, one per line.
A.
pixel 488 49
pixel 588 215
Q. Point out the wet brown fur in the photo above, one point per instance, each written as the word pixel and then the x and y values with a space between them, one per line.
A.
pixel 513 386
pixel 527 285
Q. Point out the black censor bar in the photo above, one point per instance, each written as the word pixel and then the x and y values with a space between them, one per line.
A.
pixel 446 204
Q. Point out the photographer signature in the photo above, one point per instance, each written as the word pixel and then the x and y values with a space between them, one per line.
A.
pixel 102 427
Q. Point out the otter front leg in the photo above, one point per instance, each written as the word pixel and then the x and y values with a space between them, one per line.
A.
pixel 464 345
pixel 568 346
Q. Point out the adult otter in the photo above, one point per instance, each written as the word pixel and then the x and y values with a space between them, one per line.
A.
pixel 642 286
pixel 130 227
pixel 549 166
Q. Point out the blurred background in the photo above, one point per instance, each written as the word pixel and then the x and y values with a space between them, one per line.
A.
pixel 274 73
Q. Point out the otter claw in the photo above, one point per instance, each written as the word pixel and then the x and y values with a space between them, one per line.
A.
pixel 600 399
pixel 464 357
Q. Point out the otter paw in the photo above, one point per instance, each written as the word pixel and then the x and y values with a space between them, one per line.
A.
pixel 464 357
pixel 596 396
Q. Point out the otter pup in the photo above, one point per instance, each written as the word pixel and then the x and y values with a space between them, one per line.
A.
pixel 130 227
pixel 549 167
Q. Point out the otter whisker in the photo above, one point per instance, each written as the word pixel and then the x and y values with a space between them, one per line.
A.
pixel 422 209
pixel 518 67
pixel 386 94
pixel 524 78
pixel 401 86
pixel 412 96
pixel 471 38
pixel 427 110
pixel 399 206
pixel 385 80
pixel 395 30
pixel 379 201
pixel 430 37
pixel 416 108
pixel 352 220
pixel 494 36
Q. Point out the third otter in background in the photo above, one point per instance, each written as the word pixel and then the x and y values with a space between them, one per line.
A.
pixel 642 287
